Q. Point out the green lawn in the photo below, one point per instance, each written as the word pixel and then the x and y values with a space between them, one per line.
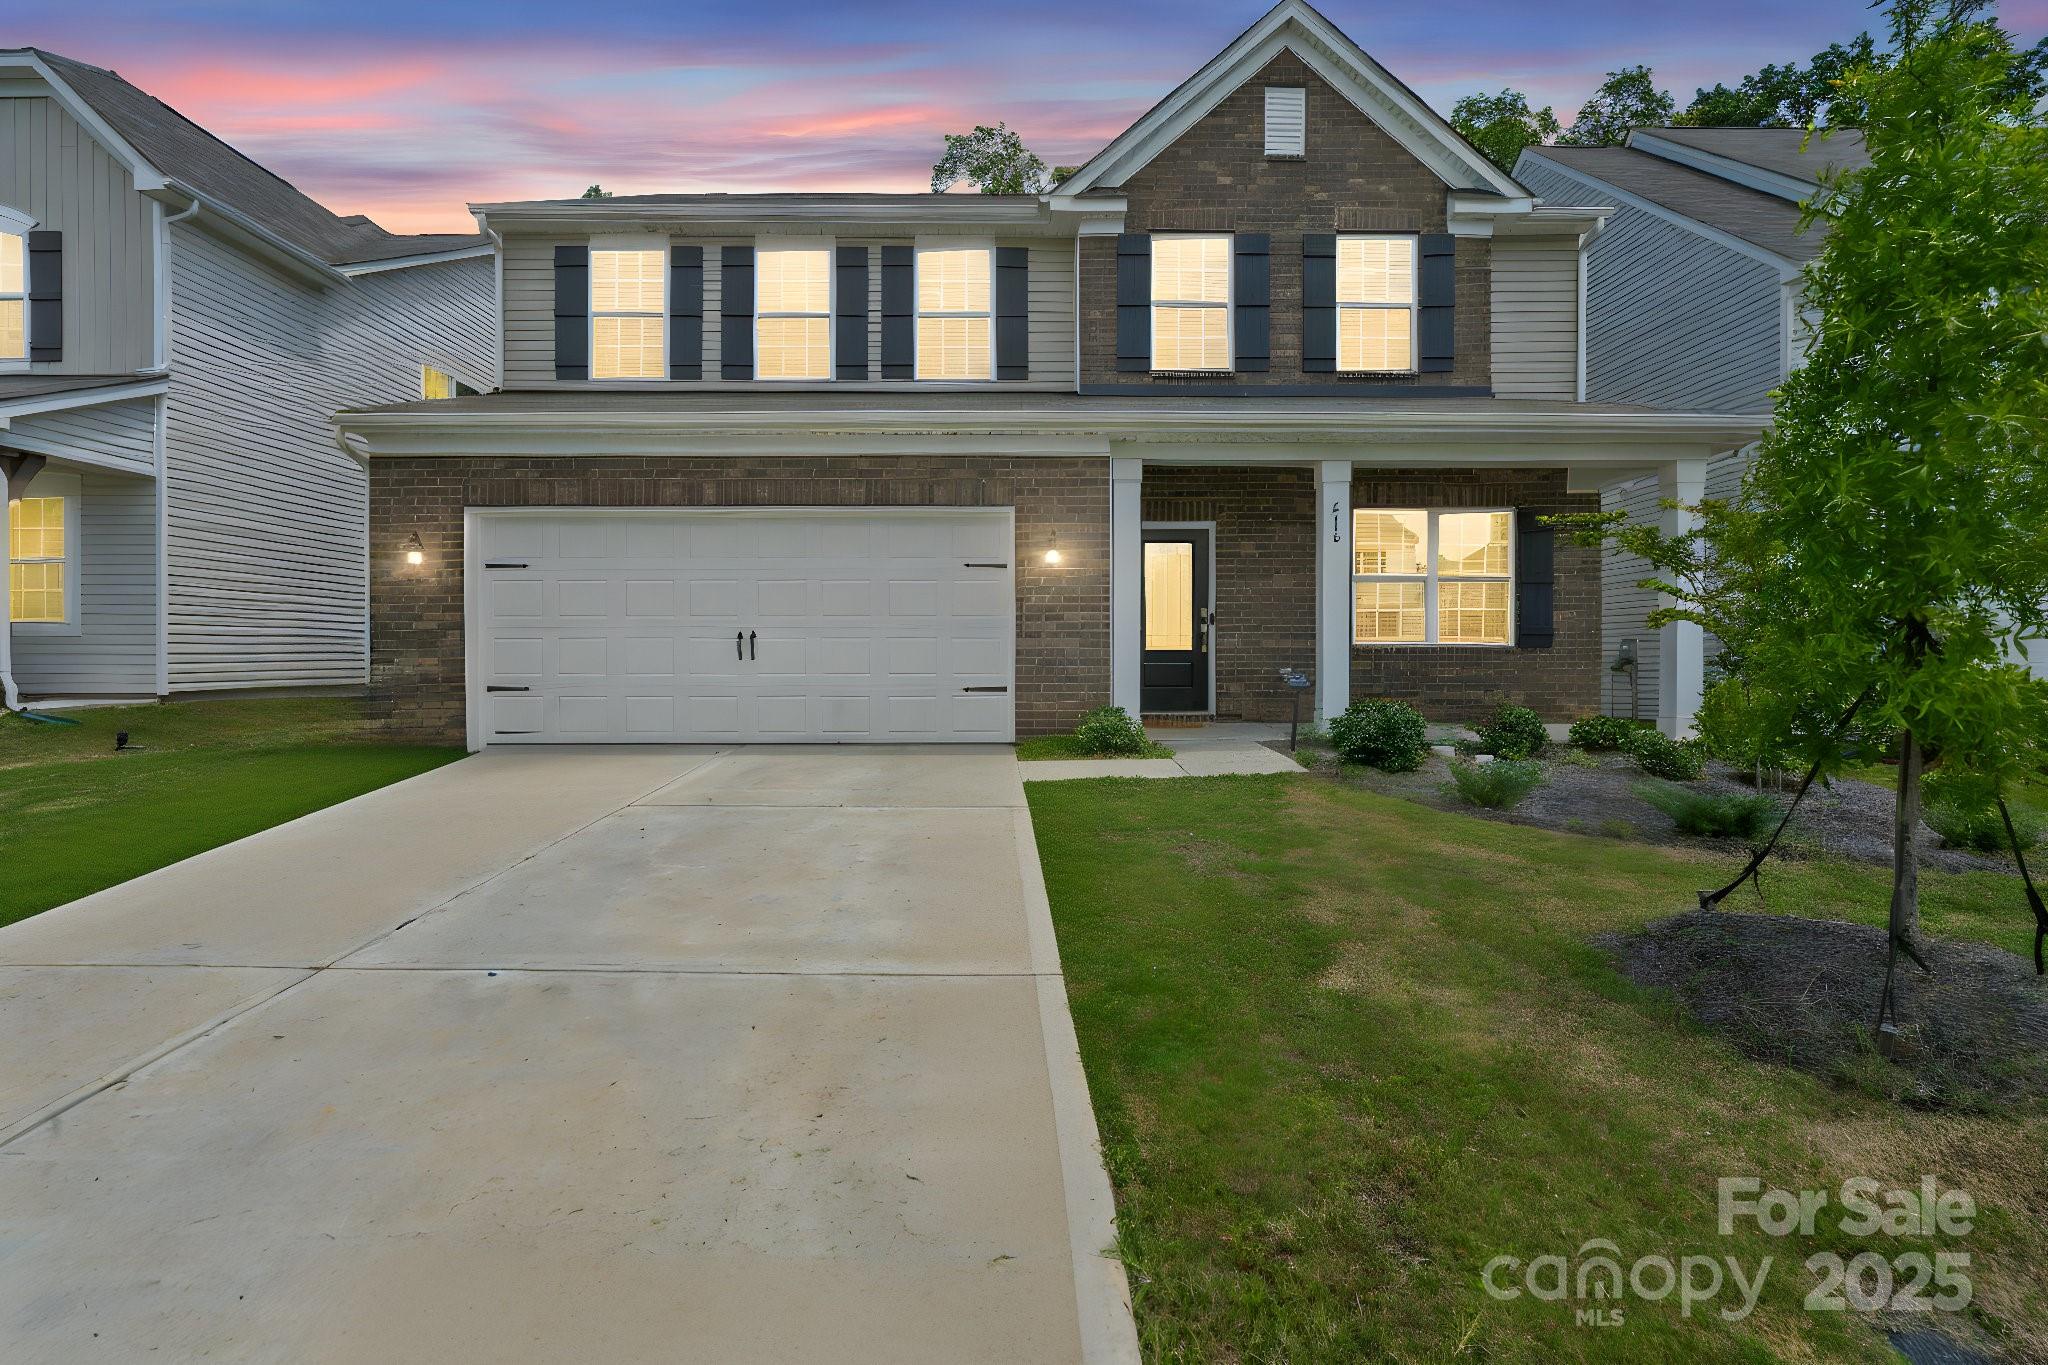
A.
pixel 1345 1049
pixel 1044 747
pixel 75 816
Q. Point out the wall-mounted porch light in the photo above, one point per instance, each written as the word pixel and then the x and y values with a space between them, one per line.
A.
pixel 1052 552
pixel 415 552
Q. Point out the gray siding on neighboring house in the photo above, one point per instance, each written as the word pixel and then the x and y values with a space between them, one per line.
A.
pixel 267 515
pixel 113 650
pixel 1536 317
pixel 53 171
pixel 1674 319
pixel 530 309
pixel 123 431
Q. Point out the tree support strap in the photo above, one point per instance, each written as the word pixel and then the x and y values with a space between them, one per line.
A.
pixel 2033 895
pixel 1711 900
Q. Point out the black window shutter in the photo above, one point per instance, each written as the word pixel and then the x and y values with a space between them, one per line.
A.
pixel 1535 581
pixel 1133 301
pixel 1252 290
pixel 1319 303
pixel 899 313
pixel 572 312
pixel 46 295
pixel 1013 312
pixel 850 313
pixel 736 312
pixel 686 312
pixel 1436 298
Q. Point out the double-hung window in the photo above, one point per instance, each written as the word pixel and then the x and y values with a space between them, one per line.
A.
pixel 1191 302
pixel 955 322
pixel 628 313
pixel 1432 577
pixel 793 312
pixel 1375 304
pixel 13 297
pixel 436 383
pixel 42 534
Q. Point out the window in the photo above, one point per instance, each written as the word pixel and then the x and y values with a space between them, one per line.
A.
pixel 955 338
pixel 39 549
pixel 628 314
pixel 13 296
pixel 1286 120
pixel 436 383
pixel 1191 303
pixel 1375 303
pixel 793 313
pixel 1438 578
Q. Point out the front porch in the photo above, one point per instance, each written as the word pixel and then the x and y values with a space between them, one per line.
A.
pixel 1457 594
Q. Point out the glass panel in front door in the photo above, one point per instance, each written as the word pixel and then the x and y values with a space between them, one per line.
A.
pixel 1169 594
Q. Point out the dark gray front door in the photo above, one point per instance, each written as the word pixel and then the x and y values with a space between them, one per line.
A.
pixel 1174 672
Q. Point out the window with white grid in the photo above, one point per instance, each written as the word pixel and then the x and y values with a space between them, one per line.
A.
pixel 1432 577
pixel 793 312
pixel 629 314
pixel 955 319
pixel 1375 304
pixel 13 296
pixel 1191 302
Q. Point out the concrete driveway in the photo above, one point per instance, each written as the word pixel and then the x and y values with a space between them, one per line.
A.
pixel 676 1055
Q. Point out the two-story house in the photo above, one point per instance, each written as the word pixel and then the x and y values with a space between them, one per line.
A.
pixel 1693 300
pixel 177 328
pixel 1286 377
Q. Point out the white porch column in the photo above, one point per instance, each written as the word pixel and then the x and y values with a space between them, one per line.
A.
pixel 1126 580
pixel 1333 588
pixel 1681 645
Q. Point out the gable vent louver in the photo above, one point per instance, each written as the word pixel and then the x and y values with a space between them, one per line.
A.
pixel 1286 120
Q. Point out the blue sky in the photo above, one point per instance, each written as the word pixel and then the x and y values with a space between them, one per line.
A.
pixel 406 111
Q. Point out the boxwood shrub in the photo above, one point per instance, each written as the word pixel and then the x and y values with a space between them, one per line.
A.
pixel 1514 733
pixel 1389 735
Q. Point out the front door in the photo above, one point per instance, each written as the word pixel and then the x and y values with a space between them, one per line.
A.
pixel 1174 674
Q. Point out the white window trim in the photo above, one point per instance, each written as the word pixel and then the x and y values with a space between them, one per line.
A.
pixel 1413 306
pixel 428 366
pixel 1229 307
pixel 1430 579
pixel 68 486
pixel 624 243
pixel 918 314
pixel 15 223
pixel 829 246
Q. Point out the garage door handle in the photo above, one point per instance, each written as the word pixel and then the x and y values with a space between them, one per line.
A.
pixel 752 652
pixel 984 689
pixel 739 645
pixel 503 564
pixel 494 687
pixel 973 564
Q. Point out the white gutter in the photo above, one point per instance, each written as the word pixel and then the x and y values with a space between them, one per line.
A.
pixel 146 386
pixel 465 253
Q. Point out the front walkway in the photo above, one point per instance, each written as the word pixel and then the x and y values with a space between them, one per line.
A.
pixel 1207 750
pixel 656 1054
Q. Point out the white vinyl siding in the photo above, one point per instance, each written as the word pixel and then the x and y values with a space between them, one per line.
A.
pixel 1535 317
pixel 1286 120
pixel 122 433
pixel 267 559
pixel 54 173
pixel 112 649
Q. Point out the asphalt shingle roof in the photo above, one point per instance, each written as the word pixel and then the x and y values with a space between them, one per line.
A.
pixel 1787 151
pixel 1760 219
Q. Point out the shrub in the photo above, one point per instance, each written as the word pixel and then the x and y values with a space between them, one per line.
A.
pixel 1743 728
pixel 1736 815
pixel 1962 808
pixel 1389 735
pixel 1109 731
pixel 1602 732
pixel 1495 785
pixel 1514 732
pixel 1661 756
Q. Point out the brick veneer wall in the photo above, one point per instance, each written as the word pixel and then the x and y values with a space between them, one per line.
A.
pixel 1265 574
pixel 416 615
pixel 1216 178
pixel 1457 684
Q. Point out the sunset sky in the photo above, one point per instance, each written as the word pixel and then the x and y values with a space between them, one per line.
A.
pixel 407 111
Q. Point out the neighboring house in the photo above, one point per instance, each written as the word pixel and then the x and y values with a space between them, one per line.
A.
pixel 1693 301
pixel 177 327
pixel 1286 377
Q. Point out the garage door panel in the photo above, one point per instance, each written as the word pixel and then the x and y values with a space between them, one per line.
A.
pixel 635 627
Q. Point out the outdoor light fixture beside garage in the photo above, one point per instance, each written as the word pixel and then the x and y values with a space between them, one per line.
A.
pixel 415 552
pixel 1052 553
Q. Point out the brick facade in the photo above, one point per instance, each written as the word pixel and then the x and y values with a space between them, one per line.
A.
pixel 416 615
pixel 1453 683
pixel 1217 178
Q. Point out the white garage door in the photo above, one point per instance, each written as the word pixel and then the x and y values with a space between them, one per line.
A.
pixel 612 626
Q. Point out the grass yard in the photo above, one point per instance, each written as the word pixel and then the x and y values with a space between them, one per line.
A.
pixel 75 816
pixel 1345 1049
pixel 1043 747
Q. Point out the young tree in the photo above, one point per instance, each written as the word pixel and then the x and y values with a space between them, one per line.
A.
pixel 1628 98
pixel 1888 555
pixel 995 159
pixel 1500 126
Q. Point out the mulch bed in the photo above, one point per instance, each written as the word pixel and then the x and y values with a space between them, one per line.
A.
pixel 1803 992
pixel 1851 819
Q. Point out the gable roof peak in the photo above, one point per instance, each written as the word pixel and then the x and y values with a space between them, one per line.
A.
pixel 1298 27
